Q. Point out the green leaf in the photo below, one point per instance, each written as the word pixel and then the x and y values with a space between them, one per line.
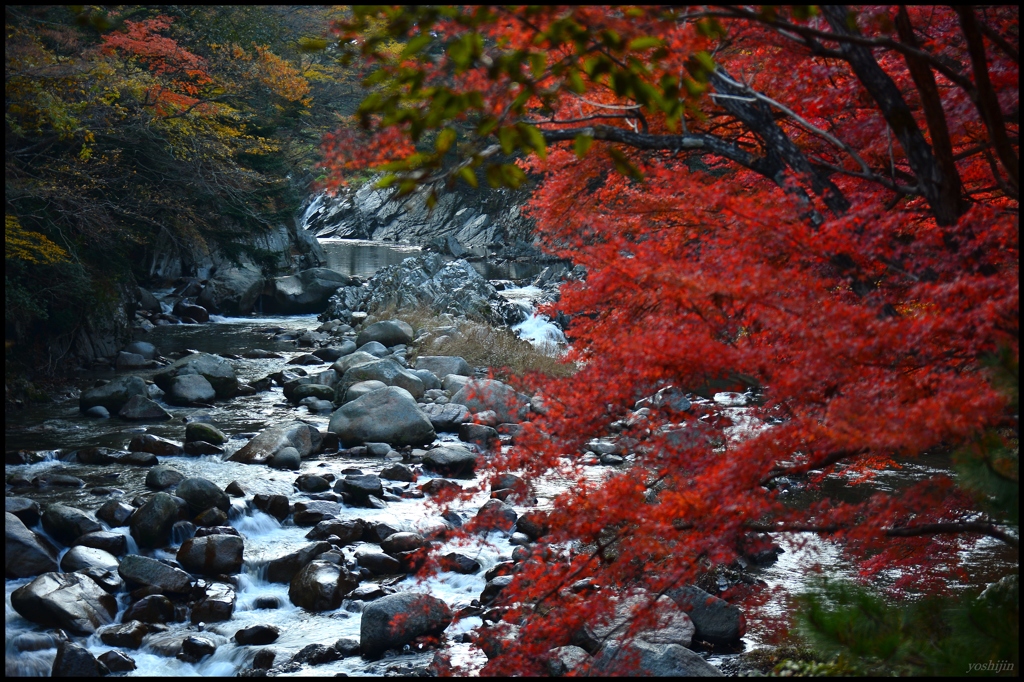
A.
pixel 467 174
pixel 534 138
pixel 386 181
pixel 445 140
pixel 581 145
pixel 575 82
pixel 623 165
pixel 494 178
pixel 645 43
pixel 416 45
pixel 509 139
pixel 312 44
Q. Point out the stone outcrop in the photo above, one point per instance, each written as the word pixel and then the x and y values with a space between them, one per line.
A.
pixel 453 287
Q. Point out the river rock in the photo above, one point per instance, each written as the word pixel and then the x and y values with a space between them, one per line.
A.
pixel 194 649
pixel 451 461
pixel 215 369
pixel 26 509
pixel 643 659
pixel 321 585
pixel 115 513
pixel 355 359
pixel 232 291
pixel 162 476
pixel 358 390
pixel 361 488
pixel 346 531
pixel 387 371
pixel 108 541
pixel 478 434
pixel 377 562
pixel 189 389
pixel 442 365
pixel 154 608
pixel 488 394
pixel 374 348
pixel 286 458
pixel 675 627
pixel 283 569
pixel 274 505
pixel 304 292
pixel 386 332
pixel 715 620
pixel 26 553
pixel 389 415
pixel 114 394
pixel 66 600
pixel 66 524
pixel 198 313
pixel 396 619
pixel 141 408
pixel 212 554
pixel 333 353
pixel 257 634
pixel 201 431
pixel 126 360
pixel 398 472
pixel 217 604
pixel 403 542
pixel 304 438
pixel 147 442
pixel 143 348
pixel 127 635
pixel 146 572
pixel 88 557
pixel 151 523
pixel 73 660
pixel 201 494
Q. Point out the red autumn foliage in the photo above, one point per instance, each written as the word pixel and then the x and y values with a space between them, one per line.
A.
pixel 818 205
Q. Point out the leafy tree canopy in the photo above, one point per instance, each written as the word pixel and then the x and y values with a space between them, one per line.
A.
pixel 819 204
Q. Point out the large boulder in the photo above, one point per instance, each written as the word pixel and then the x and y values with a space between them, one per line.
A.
pixel 673 626
pixel 321 585
pixel 716 620
pixel 396 619
pixel 212 554
pixel 112 395
pixel 389 415
pixel 26 553
pixel 266 444
pixel 447 417
pixel 190 389
pixel 387 371
pixel 232 291
pixel 452 287
pixel 151 523
pixel 386 332
pixel 452 461
pixel 644 659
pixel 73 660
pixel 213 368
pixel 145 572
pixel 442 365
pixel 66 524
pixel 141 408
pixel 81 557
pixel 66 600
pixel 202 494
pixel 304 292
pixel 283 569
pixel 488 394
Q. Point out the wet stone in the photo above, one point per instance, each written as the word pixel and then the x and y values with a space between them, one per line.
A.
pixel 117 661
pixel 194 649
pixel 257 634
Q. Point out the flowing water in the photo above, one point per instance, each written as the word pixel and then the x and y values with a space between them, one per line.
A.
pixel 53 428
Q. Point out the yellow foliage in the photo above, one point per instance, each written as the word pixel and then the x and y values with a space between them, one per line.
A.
pixel 29 246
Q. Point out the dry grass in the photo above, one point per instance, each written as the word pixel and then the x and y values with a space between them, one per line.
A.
pixel 500 349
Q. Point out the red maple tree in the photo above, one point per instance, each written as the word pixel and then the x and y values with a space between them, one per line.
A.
pixel 818 205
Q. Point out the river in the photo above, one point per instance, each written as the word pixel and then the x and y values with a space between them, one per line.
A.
pixel 48 429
